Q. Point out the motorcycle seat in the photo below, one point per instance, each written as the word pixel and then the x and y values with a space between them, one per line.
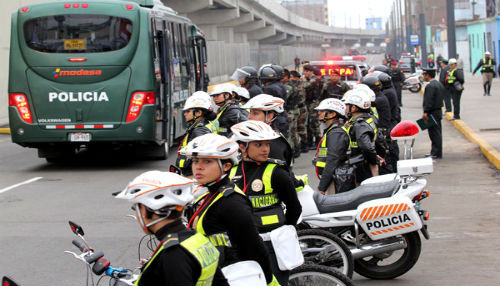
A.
pixel 352 199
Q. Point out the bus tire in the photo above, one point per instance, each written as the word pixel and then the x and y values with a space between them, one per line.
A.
pixel 56 154
pixel 155 151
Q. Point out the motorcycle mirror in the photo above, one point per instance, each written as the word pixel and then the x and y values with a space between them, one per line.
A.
pixel 75 228
pixel 175 169
pixel 6 281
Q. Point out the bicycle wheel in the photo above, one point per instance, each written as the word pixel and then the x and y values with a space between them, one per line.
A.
pixel 316 275
pixel 321 247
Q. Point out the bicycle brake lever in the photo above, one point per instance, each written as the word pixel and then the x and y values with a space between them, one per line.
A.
pixel 76 256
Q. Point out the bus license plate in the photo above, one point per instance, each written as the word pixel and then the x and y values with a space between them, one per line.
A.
pixel 79 137
pixel 74 44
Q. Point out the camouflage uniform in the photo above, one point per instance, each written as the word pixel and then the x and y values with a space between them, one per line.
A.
pixel 294 97
pixel 312 88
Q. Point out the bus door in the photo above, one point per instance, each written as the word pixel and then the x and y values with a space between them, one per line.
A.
pixel 200 59
pixel 178 80
pixel 161 59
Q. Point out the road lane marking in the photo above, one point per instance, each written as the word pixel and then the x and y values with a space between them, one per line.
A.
pixel 19 184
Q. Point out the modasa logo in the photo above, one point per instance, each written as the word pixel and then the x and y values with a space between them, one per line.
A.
pixel 59 73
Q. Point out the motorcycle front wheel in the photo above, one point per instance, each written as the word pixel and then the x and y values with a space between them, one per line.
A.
pixel 416 88
pixel 392 264
pixel 321 247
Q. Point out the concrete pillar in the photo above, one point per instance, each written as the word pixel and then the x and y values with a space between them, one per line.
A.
pixel 225 34
pixel 240 37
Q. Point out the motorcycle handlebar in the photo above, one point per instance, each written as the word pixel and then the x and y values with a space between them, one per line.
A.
pixel 80 245
pixel 94 257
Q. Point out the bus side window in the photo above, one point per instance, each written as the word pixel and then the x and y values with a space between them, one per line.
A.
pixel 174 40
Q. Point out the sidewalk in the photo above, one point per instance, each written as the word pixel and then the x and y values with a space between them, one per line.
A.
pixel 481 116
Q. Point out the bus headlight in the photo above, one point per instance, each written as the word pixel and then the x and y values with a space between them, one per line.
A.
pixel 139 129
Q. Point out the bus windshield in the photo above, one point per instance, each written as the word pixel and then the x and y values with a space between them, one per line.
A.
pixel 73 33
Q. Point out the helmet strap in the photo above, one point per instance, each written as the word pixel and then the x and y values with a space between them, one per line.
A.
pixel 269 121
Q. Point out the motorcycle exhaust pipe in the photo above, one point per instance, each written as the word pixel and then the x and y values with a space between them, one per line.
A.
pixel 377 247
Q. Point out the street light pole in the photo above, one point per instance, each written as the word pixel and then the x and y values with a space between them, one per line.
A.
pixel 450 19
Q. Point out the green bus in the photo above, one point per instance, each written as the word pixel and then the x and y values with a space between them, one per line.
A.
pixel 107 72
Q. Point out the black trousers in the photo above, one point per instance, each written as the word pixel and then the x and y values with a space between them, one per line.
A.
pixel 399 90
pixel 447 100
pixel 455 96
pixel 436 136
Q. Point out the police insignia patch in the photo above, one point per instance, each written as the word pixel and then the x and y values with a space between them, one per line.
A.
pixel 257 185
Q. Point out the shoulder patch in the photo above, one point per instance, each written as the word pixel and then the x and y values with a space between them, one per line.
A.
pixel 171 240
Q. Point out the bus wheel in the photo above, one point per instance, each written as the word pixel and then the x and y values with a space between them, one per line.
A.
pixel 154 151
pixel 56 154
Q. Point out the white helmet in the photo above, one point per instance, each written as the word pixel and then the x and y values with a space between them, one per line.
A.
pixel 332 104
pixel 265 102
pixel 212 146
pixel 159 191
pixel 366 89
pixel 243 92
pixel 358 98
pixel 220 88
pixel 199 99
pixel 252 130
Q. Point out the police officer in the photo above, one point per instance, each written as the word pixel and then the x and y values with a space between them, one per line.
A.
pixel 334 88
pixel 433 101
pixel 382 111
pixel 198 114
pixel 270 76
pixel 442 79
pixel 362 133
pixel 331 158
pixel 266 183
pixel 229 112
pixel 398 78
pixel 296 82
pixel 454 85
pixel 487 65
pixel 183 257
pixel 389 91
pixel 293 111
pixel 266 108
pixel 270 80
pixel 224 213
pixel 247 77
pixel 312 87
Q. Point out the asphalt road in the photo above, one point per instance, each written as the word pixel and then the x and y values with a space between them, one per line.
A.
pixel 464 205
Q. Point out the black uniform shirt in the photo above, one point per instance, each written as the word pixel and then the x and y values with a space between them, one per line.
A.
pixel 364 136
pixel 337 142
pixel 392 96
pixel 383 110
pixel 433 97
pixel 254 90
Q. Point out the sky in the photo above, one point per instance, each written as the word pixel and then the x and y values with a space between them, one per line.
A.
pixel 352 13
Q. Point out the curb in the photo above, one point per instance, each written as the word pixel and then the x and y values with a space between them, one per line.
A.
pixel 4 130
pixel 491 153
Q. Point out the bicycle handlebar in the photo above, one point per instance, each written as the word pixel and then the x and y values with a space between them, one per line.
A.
pixel 80 245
